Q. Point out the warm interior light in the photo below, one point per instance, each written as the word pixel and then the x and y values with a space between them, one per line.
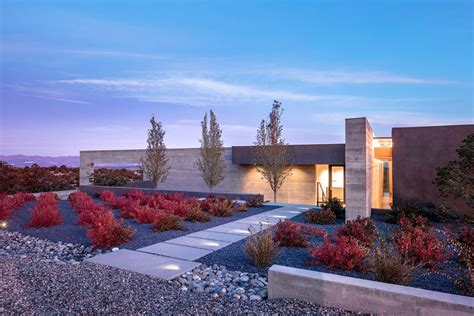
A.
pixel 3 224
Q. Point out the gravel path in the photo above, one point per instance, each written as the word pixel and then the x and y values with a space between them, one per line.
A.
pixel 30 285
pixel 70 232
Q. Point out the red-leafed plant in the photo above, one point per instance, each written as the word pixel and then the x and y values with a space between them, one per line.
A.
pixel 46 212
pixel 9 204
pixel 166 221
pixel 362 229
pixel 418 243
pixel 320 217
pixel 343 252
pixel 197 215
pixel 106 231
pixel 289 234
pixel 222 206
pixel 145 214
pixel 108 197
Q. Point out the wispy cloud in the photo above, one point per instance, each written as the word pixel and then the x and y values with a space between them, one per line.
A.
pixel 332 77
pixel 202 91
pixel 46 93
pixel 62 100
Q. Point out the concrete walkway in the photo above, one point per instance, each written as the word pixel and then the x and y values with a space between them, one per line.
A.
pixel 169 259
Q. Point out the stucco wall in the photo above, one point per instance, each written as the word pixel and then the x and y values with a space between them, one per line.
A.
pixel 417 152
pixel 184 175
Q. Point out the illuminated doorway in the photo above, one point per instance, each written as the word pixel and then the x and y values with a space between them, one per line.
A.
pixel 330 183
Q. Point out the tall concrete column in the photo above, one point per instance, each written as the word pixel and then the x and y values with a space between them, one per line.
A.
pixel 359 157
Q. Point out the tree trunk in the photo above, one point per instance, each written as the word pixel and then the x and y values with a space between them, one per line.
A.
pixel 274 196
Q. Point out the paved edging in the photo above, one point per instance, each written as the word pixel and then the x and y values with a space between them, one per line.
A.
pixel 363 295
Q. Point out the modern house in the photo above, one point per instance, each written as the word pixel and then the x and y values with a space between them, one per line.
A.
pixel 366 172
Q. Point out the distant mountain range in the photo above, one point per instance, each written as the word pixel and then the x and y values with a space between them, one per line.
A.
pixel 43 161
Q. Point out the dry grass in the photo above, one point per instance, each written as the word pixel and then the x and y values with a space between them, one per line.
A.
pixel 389 267
pixel 261 248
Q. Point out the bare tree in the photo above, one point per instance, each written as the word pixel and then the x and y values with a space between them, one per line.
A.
pixel 211 163
pixel 271 152
pixel 155 164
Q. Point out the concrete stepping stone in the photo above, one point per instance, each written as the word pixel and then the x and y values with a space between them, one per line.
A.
pixel 176 251
pixel 230 230
pixel 206 234
pixel 198 243
pixel 140 262
pixel 259 219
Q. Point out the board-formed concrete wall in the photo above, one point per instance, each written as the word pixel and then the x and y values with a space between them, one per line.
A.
pixel 363 295
pixel 359 156
pixel 185 176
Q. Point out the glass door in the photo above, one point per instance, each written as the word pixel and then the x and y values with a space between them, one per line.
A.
pixel 337 182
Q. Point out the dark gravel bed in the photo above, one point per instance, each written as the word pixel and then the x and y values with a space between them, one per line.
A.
pixel 70 232
pixel 32 286
pixel 234 258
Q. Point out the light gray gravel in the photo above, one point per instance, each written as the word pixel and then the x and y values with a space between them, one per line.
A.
pixel 15 244
pixel 31 285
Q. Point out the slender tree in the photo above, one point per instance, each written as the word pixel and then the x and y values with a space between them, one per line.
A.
pixel 211 160
pixel 271 152
pixel 155 164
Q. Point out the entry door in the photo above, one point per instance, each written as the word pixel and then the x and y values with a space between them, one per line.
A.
pixel 337 182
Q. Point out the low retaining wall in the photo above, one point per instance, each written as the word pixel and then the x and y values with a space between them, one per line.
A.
pixel 96 189
pixel 363 295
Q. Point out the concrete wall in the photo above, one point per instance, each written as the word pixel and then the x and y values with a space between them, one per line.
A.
pixel 417 152
pixel 184 176
pixel 359 156
pixel 363 295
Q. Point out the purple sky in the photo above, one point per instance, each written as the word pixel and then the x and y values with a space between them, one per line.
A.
pixel 88 75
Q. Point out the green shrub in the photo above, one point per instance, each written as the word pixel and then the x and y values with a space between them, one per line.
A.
pixel 335 205
pixel 411 209
pixel 113 177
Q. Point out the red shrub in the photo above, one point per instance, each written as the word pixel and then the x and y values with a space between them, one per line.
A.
pixel 135 194
pixel 107 232
pixel 289 234
pixel 320 217
pixel 166 221
pixel 343 253
pixel 9 204
pixel 88 216
pixel 46 212
pixel 221 207
pixel 145 214
pixel 418 243
pixel 363 230
pixel 104 230
pixel 197 215
pixel 108 197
